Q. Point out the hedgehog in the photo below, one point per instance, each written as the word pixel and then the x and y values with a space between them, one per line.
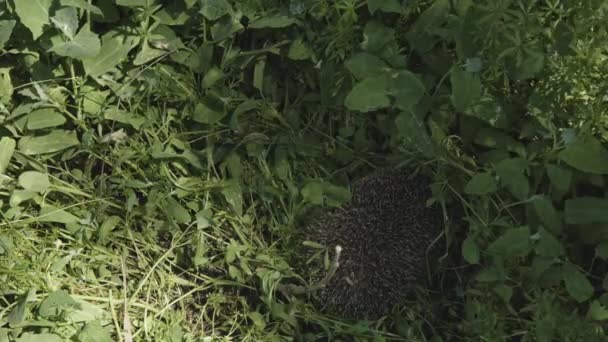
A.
pixel 378 242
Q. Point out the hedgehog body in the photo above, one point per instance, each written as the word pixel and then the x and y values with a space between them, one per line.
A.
pixel 383 233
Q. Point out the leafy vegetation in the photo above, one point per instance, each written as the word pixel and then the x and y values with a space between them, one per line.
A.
pixel 157 159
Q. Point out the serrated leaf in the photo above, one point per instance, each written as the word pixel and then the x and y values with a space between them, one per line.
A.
pixel 34 181
pixel 66 20
pixel 7 148
pixel 363 65
pixel 376 35
pixel 55 141
pixel 44 118
pixel 466 89
pixel 515 242
pixel 586 154
pixel 299 50
pixel 34 14
pixel 406 88
pixel 85 45
pixel 577 284
pixel 214 9
pixel 82 4
pixel 470 250
pixel 586 210
pixel 276 21
pixel 389 6
pixel 481 184
pixel 6 29
pixel 368 95
pixel 115 47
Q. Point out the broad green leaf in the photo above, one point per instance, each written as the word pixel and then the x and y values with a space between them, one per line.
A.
pixel 212 76
pixel 44 337
pixel 363 65
pixel 481 184
pixel 368 95
pixel 406 88
pixel 6 86
pixel 115 47
pixel 470 250
pixel 106 228
pixel 34 181
pixel 504 292
pixel 601 250
pixel 94 332
pixel 85 45
pixel 146 54
pixel 577 284
pixel 214 9
pixel 494 138
pixel 82 4
pixel 119 115
pixel 277 21
pixel 55 303
pixel 597 311
pixel 7 148
pixel 312 192
pixel 530 62
pixel 44 118
pixel 560 177
pixel 34 14
pixel 586 154
pixel 17 314
pixel 414 133
pixel 6 29
pixel 55 141
pixel 208 111
pixel 66 20
pixel 234 196
pixel 548 215
pixel 19 196
pixel 132 3
pixel 49 213
pixel 489 110
pixel 515 242
pixel 299 50
pixel 390 6
pixel 586 210
pixel 376 35
pixel 225 28
pixel 511 173
pixel 548 245
pixel 335 196
pixel 177 211
pixel 466 89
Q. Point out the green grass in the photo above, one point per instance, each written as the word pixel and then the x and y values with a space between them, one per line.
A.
pixel 158 161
